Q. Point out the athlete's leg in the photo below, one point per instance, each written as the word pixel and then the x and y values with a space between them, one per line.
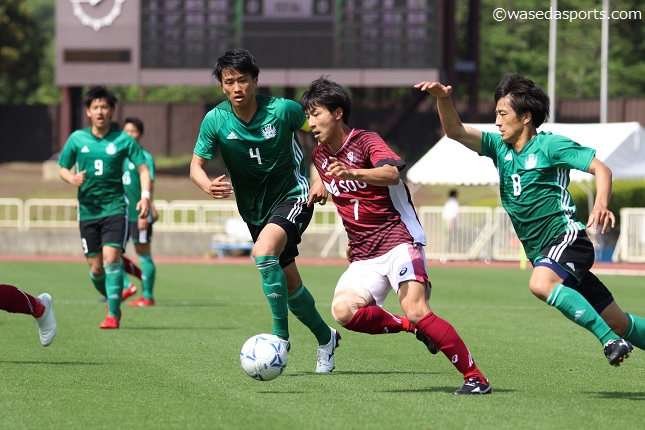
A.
pixel 266 250
pixel 302 304
pixel 97 272
pixel 14 300
pixel 113 278
pixel 148 268
pixel 547 285
pixel 413 296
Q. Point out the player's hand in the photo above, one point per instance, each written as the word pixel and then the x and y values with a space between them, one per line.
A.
pixel 220 189
pixel 437 89
pixel 317 194
pixel 600 216
pixel 337 169
pixel 143 206
pixel 79 178
pixel 143 223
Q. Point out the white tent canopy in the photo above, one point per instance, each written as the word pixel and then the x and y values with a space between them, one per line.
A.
pixel 621 146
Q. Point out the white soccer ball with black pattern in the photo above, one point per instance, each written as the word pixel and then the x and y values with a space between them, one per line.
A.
pixel 264 357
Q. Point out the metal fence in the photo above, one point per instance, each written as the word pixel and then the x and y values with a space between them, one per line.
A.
pixel 477 233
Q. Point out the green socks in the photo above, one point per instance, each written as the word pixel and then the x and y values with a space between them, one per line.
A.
pixel 274 285
pixel 577 309
pixel 99 283
pixel 303 306
pixel 114 287
pixel 635 330
pixel 148 273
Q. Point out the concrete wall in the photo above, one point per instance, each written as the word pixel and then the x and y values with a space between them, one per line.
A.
pixel 66 242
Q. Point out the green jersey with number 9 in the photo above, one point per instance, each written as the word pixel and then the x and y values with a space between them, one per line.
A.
pixel 102 193
pixel 264 158
pixel 533 185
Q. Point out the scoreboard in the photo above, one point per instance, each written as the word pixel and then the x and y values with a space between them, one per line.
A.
pixel 358 42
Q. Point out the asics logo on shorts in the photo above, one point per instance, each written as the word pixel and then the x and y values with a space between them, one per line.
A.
pixel 403 272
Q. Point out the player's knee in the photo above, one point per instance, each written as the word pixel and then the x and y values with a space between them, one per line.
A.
pixel 540 288
pixel 342 312
pixel 346 303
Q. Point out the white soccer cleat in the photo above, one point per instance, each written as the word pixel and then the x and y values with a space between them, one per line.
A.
pixel 47 323
pixel 325 363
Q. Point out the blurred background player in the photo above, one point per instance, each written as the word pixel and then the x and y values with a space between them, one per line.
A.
pixel 533 178
pixel 98 153
pixel 140 228
pixel 449 215
pixel 256 136
pixel 385 237
pixel 16 301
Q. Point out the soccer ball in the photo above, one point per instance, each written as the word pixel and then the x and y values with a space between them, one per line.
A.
pixel 264 357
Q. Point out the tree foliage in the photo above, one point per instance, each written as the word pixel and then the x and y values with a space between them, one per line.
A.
pixel 21 52
pixel 522 45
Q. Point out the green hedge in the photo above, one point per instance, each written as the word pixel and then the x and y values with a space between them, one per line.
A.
pixel 625 194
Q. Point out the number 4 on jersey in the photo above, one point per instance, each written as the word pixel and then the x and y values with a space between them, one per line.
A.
pixel 256 154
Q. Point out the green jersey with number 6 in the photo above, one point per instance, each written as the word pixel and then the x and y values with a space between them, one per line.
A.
pixel 132 184
pixel 533 185
pixel 102 194
pixel 264 158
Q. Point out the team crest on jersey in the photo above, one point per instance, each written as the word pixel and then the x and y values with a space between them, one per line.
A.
pixel 269 131
pixel 350 157
pixel 110 148
pixel 531 161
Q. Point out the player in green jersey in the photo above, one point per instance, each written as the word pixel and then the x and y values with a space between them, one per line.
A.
pixel 533 178
pixel 140 228
pixel 98 153
pixel 256 137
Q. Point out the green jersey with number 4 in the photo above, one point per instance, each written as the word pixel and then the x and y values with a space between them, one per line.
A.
pixel 102 194
pixel 533 185
pixel 132 184
pixel 264 158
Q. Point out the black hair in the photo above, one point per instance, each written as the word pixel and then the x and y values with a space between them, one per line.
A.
pixel 328 94
pixel 525 96
pixel 236 59
pixel 100 92
pixel 136 122
pixel 453 193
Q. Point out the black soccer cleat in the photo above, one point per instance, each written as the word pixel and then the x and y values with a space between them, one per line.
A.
pixel 426 341
pixel 474 386
pixel 617 350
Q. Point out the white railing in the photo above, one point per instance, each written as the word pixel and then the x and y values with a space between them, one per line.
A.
pixel 11 213
pixel 479 233
pixel 631 241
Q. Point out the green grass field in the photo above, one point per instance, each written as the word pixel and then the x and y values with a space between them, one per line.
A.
pixel 176 366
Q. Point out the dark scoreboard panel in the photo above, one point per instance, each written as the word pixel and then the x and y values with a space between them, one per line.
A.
pixel 292 34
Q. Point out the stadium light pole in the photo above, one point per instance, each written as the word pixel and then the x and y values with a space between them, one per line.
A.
pixel 553 33
pixel 604 47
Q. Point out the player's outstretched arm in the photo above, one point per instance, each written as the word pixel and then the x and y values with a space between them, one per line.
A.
pixel 383 176
pixel 470 137
pixel 600 214
pixel 217 188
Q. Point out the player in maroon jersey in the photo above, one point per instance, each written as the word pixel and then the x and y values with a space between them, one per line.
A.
pixel 385 237
pixel 17 301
